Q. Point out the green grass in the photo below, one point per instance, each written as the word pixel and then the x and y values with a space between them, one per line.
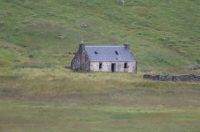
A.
pixel 21 117
pixel 37 92
pixel 169 28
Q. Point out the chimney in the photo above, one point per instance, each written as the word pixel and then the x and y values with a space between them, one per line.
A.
pixel 126 46
pixel 81 46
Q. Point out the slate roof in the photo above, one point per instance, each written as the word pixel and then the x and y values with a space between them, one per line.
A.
pixel 109 53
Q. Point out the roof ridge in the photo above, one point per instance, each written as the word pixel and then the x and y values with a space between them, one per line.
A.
pixel 104 45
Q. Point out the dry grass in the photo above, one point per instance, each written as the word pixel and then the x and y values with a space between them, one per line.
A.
pixel 61 100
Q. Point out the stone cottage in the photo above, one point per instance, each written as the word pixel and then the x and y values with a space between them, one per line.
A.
pixel 115 58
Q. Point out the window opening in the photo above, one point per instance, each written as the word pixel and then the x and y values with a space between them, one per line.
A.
pixel 96 52
pixel 125 65
pixel 116 52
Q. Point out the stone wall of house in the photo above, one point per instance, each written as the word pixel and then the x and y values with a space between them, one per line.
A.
pixel 119 67
pixel 81 60
pixel 85 64
pixel 75 64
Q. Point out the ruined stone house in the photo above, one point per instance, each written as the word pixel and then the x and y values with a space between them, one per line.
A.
pixel 113 58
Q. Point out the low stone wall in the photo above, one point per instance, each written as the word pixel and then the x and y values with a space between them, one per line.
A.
pixel 172 78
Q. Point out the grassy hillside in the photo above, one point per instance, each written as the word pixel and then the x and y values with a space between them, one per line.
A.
pixel 162 34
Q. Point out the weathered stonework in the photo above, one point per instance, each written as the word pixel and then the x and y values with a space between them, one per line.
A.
pixel 172 78
pixel 81 61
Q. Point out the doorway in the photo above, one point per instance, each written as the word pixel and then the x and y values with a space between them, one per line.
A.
pixel 113 67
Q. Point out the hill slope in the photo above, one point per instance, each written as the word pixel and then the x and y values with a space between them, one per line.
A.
pixel 162 34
